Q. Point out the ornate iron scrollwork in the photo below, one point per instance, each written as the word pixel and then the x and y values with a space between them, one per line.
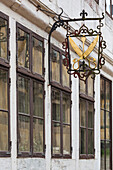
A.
pixel 85 64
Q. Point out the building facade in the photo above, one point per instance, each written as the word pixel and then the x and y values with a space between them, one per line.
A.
pixel 50 120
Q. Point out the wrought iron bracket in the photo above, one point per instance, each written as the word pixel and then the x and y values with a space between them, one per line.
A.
pixel 83 71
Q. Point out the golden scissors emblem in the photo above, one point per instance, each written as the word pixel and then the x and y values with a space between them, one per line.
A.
pixel 84 55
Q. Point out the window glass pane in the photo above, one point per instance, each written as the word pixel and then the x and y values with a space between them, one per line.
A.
pixel 66 139
pixel 3 90
pixel 37 99
pixel 83 141
pixel 82 87
pixel 102 155
pixel 55 58
pixel 107 95
pixel 108 6
pixel 102 125
pixel 23 49
pixel 56 138
pixel 24 133
pixel 102 87
pixel 56 105
pixel 37 56
pixel 3 131
pixel 107 125
pixel 23 95
pixel 3 38
pixel 90 142
pixel 90 115
pixel 66 108
pixel 65 75
pixel 37 135
pixel 108 156
pixel 82 113
pixel 90 86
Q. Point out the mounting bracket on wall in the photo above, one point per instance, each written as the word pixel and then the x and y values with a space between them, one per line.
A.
pixel 84 62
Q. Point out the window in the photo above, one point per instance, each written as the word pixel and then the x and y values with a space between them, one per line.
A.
pixel 30 87
pixel 61 106
pixel 109 7
pixel 106 124
pixel 87 119
pixel 4 87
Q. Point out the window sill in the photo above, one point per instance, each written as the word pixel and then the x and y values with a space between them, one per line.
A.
pixel 5 154
pixel 58 156
pixel 29 155
pixel 86 157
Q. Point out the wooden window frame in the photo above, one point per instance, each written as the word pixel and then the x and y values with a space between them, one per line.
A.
pixel 33 77
pixel 5 65
pixel 62 89
pixel 87 99
pixel 110 111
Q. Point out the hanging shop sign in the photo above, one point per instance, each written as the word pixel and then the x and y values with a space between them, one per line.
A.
pixel 81 45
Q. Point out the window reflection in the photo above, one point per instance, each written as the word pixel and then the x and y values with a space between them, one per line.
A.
pixel 66 139
pixel 37 56
pixel 56 138
pixel 90 142
pixel 82 87
pixel 3 90
pixel 102 125
pixel 24 133
pixel 107 126
pixel 55 58
pixel 23 95
pixel 38 99
pixel 3 38
pixel 90 86
pixel 37 135
pixel 23 48
pixel 83 141
pixel 90 115
pixel 82 113
pixel 65 75
pixel 66 108
pixel 3 131
pixel 56 105
pixel 107 96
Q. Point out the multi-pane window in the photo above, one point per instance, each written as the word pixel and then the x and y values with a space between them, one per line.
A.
pixel 109 7
pixel 106 126
pixel 87 119
pixel 4 87
pixel 61 106
pixel 30 71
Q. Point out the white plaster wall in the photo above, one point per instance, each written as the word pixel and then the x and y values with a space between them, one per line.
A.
pixel 31 164
pixel 40 24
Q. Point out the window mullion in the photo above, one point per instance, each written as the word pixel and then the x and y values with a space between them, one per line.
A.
pixel 30 51
pixel 61 125
pixel 31 117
